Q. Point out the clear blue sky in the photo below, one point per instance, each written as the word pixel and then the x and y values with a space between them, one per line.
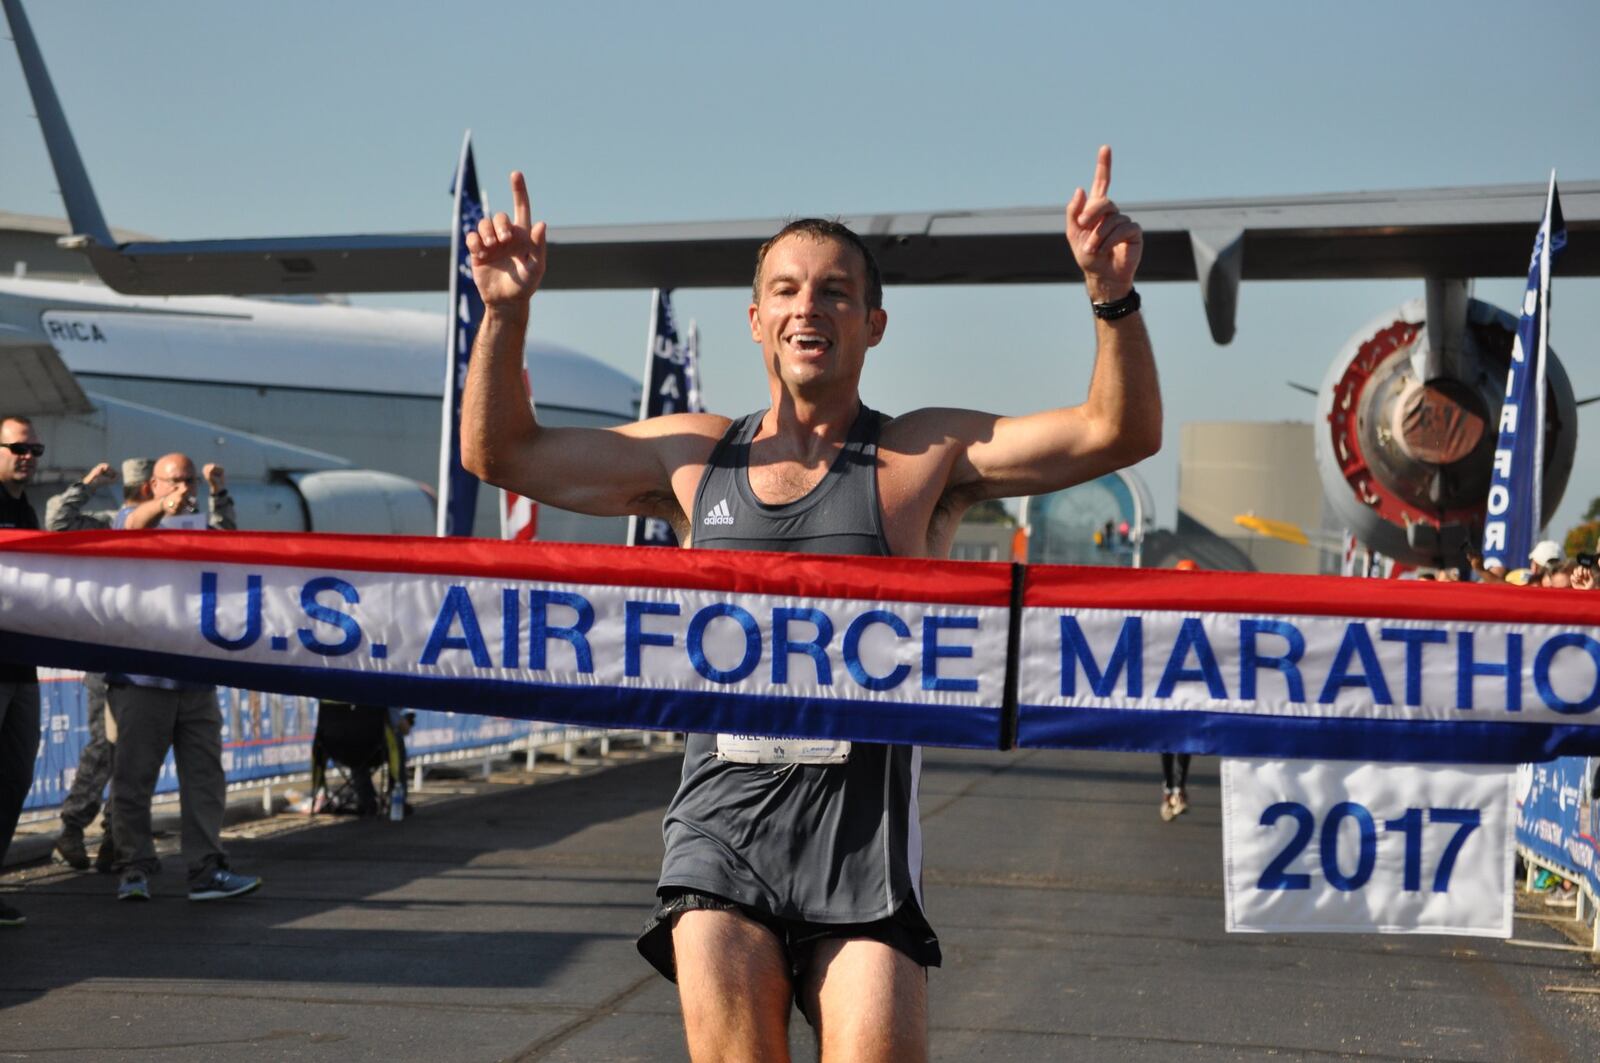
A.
pixel 204 119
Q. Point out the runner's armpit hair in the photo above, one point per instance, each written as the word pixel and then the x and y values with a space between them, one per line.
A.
pixel 825 229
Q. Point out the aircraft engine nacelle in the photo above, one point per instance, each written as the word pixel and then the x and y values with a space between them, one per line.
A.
pixel 1405 436
pixel 352 501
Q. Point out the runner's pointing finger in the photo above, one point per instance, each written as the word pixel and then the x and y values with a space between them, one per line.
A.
pixel 519 200
pixel 1102 174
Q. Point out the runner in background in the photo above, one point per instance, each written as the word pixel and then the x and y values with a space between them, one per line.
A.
pixel 1175 766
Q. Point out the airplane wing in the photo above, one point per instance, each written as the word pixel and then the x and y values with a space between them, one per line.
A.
pixel 1436 233
pixel 33 378
pixel 1457 232
pixel 1448 232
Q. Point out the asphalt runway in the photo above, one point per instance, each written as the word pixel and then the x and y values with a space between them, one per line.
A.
pixel 498 923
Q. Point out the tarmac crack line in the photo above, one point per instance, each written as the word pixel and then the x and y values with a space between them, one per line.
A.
pixel 603 1010
pixel 1541 1045
pixel 1028 880
pixel 123 992
pixel 1292 1051
pixel 988 776
pixel 274 1035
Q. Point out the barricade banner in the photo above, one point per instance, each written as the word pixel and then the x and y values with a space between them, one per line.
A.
pixel 265 735
pixel 1372 848
pixel 1305 666
pixel 1558 820
pixel 783 645
pixel 63 732
pixel 796 645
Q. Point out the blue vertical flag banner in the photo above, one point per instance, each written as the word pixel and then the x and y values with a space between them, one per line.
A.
pixel 458 489
pixel 671 385
pixel 1513 515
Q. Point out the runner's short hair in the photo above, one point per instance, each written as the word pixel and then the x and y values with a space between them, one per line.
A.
pixel 825 229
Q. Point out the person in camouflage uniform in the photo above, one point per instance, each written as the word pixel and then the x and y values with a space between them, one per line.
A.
pixel 65 512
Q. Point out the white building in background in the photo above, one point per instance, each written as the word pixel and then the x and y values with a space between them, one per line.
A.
pixel 1266 469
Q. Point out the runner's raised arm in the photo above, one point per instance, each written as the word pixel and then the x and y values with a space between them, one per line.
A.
pixel 1119 422
pixel 940 461
pixel 607 472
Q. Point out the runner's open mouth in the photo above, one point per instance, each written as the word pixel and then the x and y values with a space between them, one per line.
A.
pixel 810 342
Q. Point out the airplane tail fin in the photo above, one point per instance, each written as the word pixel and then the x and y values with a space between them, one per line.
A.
pixel 301 265
pixel 83 209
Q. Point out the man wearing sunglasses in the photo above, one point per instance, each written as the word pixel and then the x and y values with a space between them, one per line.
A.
pixel 20 451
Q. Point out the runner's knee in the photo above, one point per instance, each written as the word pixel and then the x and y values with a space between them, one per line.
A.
pixel 867 1001
pixel 733 982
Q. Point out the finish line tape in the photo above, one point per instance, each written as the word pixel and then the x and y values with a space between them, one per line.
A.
pixel 803 645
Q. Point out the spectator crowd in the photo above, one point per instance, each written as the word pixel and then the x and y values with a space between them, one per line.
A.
pixel 134 719
pixel 1547 567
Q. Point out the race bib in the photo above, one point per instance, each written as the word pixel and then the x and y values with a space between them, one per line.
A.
pixel 749 749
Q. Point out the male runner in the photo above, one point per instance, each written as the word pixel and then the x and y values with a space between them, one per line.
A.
pixel 755 923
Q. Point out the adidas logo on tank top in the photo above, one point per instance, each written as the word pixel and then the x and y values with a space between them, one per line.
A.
pixel 719 514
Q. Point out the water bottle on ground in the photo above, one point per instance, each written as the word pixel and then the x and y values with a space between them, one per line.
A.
pixel 397 802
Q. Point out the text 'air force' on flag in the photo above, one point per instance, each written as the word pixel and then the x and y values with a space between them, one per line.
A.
pixel 671 385
pixel 458 488
pixel 1514 513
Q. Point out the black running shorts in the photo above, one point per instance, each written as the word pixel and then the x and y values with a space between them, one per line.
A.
pixel 905 931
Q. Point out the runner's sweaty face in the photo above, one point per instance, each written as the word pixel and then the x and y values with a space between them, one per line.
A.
pixel 811 318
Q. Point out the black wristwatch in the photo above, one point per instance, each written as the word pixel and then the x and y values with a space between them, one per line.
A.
pixel 1117 307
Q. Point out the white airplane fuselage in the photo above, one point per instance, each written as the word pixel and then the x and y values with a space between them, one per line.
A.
pixel 356 383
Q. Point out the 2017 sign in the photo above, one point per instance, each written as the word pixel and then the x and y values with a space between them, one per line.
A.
pixel 1362 848
pixel 1278 877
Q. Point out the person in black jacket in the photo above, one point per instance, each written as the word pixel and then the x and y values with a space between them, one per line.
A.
pixel 20 451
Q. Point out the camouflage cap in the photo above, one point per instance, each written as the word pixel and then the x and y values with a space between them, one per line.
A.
pixel 137 470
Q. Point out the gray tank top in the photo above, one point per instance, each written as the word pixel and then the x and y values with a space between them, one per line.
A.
pixel 829 843
pixel 839 516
